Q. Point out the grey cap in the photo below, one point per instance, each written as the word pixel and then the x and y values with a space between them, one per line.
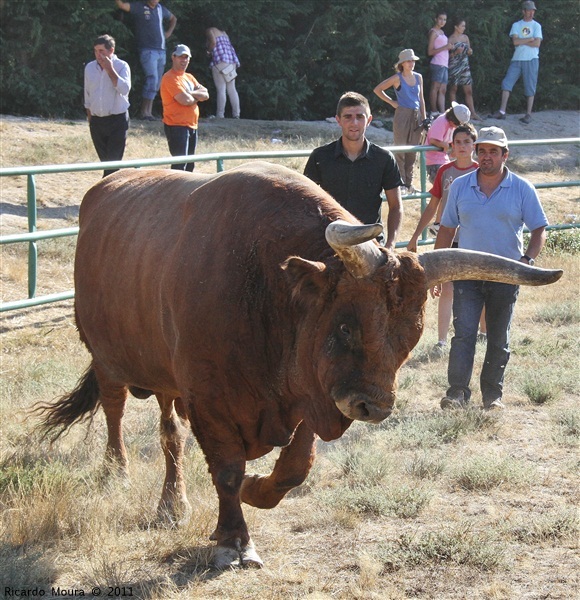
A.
pixel 492 135
pixel 528 5
pixel 182 49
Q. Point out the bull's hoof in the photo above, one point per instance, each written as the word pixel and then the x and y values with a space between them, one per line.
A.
pixel 257 491
pixel 250 558
pixel 230 558
pixel 174 514
pixel 250 490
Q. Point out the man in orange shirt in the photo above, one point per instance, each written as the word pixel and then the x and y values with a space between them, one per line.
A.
pixel 180 93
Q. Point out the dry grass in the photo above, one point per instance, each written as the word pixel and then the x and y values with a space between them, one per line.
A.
pixel 426 505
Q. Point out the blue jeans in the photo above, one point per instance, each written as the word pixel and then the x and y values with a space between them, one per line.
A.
pixel 153 64
pixel 181 141
pixel 469 298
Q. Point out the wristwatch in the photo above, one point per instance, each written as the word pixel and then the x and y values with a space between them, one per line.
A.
pixel 530 260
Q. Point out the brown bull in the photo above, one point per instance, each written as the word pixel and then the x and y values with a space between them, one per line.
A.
pixel 257 310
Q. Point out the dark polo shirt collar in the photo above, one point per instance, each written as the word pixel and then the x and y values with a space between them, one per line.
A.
pixel 339 149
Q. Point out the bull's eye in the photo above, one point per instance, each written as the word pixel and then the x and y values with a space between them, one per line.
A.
pixel 344 329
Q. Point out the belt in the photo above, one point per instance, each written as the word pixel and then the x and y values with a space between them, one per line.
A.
pixel 109 116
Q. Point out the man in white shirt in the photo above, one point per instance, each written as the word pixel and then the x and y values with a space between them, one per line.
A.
pixel 107 86
pixel 526 35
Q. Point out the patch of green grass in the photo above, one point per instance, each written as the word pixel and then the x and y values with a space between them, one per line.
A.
pixel 358 462
pixel 38 377
pixel 39 477
pixel 407 502
pixel 550 527
pixel 567 313
pixel 60 249
pixel 456 546
pixel 563 241
pixel 568 428
pixel 408 380
pixel 484 473
pixel 541 390
pixel 400 501
pixel 425 466
pixel 431 430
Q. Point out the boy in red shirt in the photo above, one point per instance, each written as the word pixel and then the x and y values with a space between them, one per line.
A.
pixel 464 138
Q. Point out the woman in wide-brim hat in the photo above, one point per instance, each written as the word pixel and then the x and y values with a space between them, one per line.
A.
pixel 409 108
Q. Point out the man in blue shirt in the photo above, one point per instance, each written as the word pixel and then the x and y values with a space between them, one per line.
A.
pixel 491 206
pixel 148 17
pixel 355 171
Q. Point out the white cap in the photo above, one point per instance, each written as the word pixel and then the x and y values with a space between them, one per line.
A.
pixel 182 49
pixel 461 111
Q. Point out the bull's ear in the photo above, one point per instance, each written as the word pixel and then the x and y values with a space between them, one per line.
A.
pixel 307 278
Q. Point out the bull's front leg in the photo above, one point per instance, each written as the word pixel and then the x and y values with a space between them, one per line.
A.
pixel 234 544
pixel 290 471
pixel 226 458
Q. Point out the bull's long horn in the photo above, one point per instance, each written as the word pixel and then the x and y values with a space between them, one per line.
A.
pixel 454 264
pixel 354 247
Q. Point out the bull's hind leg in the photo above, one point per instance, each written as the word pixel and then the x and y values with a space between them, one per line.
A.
pixel 113 399
pixel 174 506
pixel 290 470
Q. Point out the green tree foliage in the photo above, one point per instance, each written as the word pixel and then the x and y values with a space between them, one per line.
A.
pixel 297 56
pixel 44 45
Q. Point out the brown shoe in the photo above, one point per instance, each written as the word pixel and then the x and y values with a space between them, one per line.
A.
pixel 497 115
pixel 453 402
pixel 526 119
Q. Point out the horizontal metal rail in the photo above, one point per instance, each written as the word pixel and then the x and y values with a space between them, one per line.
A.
pixel 33 235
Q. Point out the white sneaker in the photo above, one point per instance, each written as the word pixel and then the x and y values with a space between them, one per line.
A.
pixel 496 404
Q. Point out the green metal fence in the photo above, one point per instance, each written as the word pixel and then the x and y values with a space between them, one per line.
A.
pixel 33 235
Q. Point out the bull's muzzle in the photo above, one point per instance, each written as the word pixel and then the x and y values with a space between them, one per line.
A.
pixel 361 407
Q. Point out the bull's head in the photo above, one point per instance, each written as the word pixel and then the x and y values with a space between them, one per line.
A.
pixel 364 260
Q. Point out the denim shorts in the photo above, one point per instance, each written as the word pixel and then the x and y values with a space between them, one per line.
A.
pixel 528 69
pixel 439 73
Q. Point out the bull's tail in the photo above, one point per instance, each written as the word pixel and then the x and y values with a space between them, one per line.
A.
pixel 78 406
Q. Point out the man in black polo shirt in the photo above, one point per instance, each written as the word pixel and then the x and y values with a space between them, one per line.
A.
pixel 354 171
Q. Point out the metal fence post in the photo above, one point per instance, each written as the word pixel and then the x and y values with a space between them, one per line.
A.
pixel 32 245
pixel 423 170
